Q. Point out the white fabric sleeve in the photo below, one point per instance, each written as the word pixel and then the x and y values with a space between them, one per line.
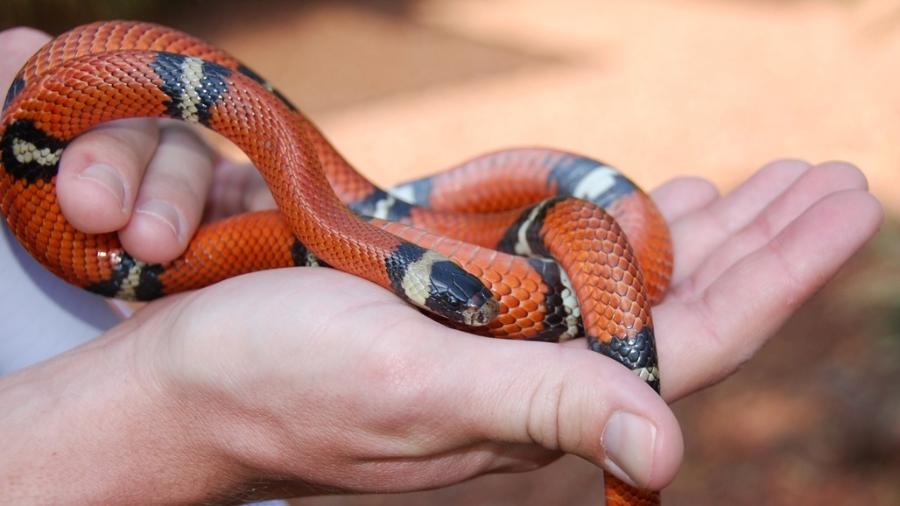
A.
pixel 41 315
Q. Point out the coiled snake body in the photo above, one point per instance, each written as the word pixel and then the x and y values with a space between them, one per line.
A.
pixel 526 243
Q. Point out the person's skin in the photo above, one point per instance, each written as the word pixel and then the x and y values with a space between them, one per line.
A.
pixel 303 381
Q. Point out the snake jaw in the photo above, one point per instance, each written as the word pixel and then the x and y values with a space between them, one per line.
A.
pixel 459 296
pixel 480 310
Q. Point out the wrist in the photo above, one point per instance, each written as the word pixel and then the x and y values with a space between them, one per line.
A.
pixel 219 369
pixel 101 425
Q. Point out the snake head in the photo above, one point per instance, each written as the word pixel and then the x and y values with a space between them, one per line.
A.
pixel 437 284
pixel 459 296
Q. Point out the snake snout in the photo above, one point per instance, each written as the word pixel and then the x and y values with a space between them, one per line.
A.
pixel 460 296
pixel 480 309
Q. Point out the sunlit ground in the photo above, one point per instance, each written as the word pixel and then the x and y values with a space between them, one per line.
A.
pixel 658 88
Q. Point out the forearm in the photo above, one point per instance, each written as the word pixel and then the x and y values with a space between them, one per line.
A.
pixel 92 426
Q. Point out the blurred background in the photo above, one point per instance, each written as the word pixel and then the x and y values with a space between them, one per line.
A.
pixel 657 88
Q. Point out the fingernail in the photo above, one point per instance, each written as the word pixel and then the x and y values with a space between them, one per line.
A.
pixel 164 213
pixel 628 444
pixel 108 178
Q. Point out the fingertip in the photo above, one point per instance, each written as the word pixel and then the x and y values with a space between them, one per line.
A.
pixel 641 442
pixel 568 399
pixel 683 195
pixel 843 174
pixel 669 452
pixel 93 197
pixel 842 221
pixel 874 209
pixel 100 171
pixel 773 280
pixel 155 233
pixel 633 433
pixel 862 210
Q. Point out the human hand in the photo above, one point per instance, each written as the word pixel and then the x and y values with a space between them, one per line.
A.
pixel 775 215
pixel 263 385
pixel 746 261
pixel 749 259
pixel 151 180
pixel 296 390
pixel 155 206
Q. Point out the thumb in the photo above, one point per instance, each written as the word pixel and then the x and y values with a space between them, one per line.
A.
pixel 573 400
pixel 18 45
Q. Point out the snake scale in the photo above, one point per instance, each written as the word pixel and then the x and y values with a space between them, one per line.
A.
pixel 525 243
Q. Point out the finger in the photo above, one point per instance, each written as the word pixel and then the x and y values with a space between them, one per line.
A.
pixel 697 234
pixel 226 194
pixel 683 195
pixel 257 197
pixel 572 400
pixel 237 187
pixel 18 45
pixel 100 173
pixel 812 186
pixel 703 340
pixel 171 199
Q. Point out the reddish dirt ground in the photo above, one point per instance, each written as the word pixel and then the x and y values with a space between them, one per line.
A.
pixel 658 88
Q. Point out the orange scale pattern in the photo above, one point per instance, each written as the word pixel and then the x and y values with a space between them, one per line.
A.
pixel 104 71
pixel 592 248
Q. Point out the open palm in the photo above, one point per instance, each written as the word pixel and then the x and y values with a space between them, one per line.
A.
pixel 746 261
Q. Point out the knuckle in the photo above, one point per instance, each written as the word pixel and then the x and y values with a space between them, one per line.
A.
pixel 401 381
pixel 544 414
pixel 110 143
pixel 549 399
pixel 130 132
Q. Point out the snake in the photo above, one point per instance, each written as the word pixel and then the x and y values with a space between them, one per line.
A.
pixel 523 243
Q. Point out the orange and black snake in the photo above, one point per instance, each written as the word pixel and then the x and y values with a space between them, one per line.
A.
pixel 526 243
